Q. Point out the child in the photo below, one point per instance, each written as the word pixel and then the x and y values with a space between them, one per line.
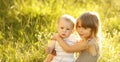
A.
pixel 87 26
pixel 65 29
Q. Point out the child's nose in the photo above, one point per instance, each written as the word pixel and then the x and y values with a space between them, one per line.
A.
pixel 64 30
pixel 81 30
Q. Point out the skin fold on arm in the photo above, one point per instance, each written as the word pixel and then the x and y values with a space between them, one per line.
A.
pixel 71 48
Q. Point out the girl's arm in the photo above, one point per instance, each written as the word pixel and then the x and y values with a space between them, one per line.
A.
pixel 70 48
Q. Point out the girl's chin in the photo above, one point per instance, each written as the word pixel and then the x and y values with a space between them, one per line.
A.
pixel 82 37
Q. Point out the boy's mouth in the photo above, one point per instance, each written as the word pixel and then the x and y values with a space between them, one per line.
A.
pixel 63 34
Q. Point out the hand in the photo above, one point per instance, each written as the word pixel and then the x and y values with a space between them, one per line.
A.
pixel 53 52
pixel 48 50
pixel 54 37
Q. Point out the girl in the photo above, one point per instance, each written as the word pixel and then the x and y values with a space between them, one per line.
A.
pixel 88 27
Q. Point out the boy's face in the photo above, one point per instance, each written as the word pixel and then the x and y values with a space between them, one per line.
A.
pixel 65 28
pixel 83 32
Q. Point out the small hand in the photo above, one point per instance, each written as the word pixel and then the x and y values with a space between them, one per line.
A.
pixel 55 36
pixel 48 50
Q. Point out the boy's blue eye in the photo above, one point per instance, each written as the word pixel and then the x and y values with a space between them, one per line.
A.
pixel 62 28
pixel 68 29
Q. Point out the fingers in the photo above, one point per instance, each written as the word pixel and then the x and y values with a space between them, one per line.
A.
pixel 54 36
pixel 53 52
pixel 49 50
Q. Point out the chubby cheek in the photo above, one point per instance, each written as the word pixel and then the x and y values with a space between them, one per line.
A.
pixel 59 32
pixel 89 34
pixel 78 31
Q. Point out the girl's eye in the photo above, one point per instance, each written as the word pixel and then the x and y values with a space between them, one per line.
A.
pixel 82 27
pixel 85 27
pixel 79 26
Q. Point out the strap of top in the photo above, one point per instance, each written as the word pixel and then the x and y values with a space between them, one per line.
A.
pixel 93 42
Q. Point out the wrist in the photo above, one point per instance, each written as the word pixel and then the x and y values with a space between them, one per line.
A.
pixel 59 37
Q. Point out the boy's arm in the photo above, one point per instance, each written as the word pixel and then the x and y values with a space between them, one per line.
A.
pixel 49 58
pixel 51 51
pixel 51 46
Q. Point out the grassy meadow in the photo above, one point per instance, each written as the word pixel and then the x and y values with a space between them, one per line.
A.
pixel 27 25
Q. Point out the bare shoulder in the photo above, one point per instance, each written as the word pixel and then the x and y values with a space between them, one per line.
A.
pixel 93 42
pixel 93 46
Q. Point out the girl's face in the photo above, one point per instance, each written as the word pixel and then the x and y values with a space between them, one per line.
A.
pixel 65 28
pixel 83 32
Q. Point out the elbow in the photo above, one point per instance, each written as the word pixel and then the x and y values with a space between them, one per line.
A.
pixel 68 50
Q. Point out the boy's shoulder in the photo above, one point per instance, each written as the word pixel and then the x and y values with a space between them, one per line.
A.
pixel 73 38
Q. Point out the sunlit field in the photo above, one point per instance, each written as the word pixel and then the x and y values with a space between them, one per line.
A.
pixel 26 27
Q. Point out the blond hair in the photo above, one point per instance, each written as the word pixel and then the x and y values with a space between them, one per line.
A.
pixel 68 18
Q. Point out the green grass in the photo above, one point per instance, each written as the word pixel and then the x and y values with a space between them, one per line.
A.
pixel 27 25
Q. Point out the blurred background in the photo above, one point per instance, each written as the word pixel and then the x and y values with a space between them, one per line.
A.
pixel 27 25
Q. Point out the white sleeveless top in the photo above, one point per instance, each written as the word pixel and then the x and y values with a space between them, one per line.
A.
pixel 61 55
